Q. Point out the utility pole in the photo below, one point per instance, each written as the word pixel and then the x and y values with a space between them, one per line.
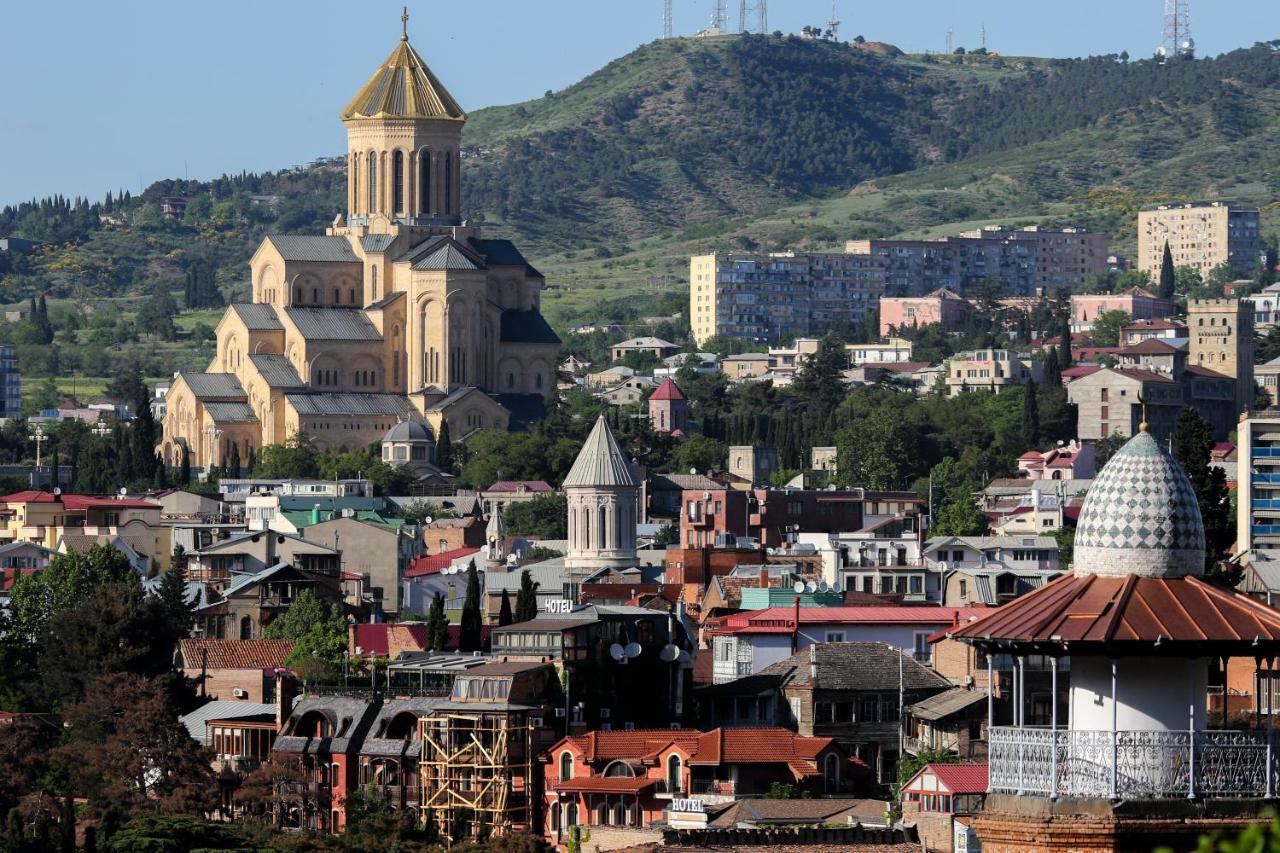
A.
pixel 950 39
pixel 719 16
pixel 667 28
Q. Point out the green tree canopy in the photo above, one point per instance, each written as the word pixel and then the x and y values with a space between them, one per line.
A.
pixel 317 628
pixel 545 516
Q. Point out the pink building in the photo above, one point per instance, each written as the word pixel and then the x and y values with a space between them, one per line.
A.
pixel 1072 461
pixel 942 306
pixel 1137 303
pixel 668 409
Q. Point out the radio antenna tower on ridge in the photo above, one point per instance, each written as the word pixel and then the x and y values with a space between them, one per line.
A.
pixel 753 16
pixel 719 16
pixel 1177 40
pixel 666 19
pixel 833 25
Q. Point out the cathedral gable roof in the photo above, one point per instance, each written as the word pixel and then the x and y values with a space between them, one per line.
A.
pixel 376 242
pixel 230 412
pixel 214 386
pixel 449 256
pixel 258 317
pixel 313 247
pixel 307 404
pixel 332 324
pixel 526 327
pixel 277 371
pixel 403 87
pixel 502 253
pixel 385 301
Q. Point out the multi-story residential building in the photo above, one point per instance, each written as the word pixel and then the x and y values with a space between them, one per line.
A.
pixel 1074 461
pixel 883 558
pixel 774 297
pixel 1221 333
pixel 1202 235
pixel 1266 307
pixel 1258 492
pixel 10 383
pixel 941 307
pixel 771 517
pixel 785 361
pixel 991 370
pixel 1169 331
pixel 1138 303
pixel 892 351
pixel 913 267
pixel 1267 377
pixel 746 365
pixel 241 670
pixel 65 521
pixel 991 570
pixel 1063 259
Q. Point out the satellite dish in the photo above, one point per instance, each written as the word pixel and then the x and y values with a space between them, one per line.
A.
pixel 811 587
pixel 943 565
pixel 427 520
pixel 57 490
pixel 685 658
pixel 670 652
pixel 824 587
pixel 633 650
pixel 835 587
pixel 693 470
pixel 799 587
pixel 617 652
pixel 123 491
pixel 512 559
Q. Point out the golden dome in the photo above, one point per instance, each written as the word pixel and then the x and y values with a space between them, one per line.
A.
pixel 403 87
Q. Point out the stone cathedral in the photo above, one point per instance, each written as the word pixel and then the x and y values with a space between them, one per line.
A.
pixel 400 311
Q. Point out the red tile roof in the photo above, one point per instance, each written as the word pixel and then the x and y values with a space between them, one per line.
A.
pixel 781 620
pixel 1089 609
pixel 432 564
pixel 668 390
pixel 961 778
pixel 715 747
pixel 372 638
pixel 1141 375
pixel 1206 372
pixel 234 654
pixel 605 784
pixel 1080 370
pixel 1150 346
pixel 76 502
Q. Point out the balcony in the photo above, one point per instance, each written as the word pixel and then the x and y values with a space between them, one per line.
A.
pixel 1133 765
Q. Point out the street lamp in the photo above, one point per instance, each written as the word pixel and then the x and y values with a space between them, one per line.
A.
pixel 101 428
pixel 39 437
pixel 213 434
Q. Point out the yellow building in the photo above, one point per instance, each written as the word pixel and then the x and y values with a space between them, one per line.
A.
pixel 400 310
pixel 1202 236
pixel 64 522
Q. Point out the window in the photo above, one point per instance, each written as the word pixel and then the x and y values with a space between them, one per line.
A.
pixel 448 183
pixel 424 181
pixel 373 182
pixel 835 636
pixel 673 775
pixel 823 712
pixel 397 182
pixel 555 817
pixel 566 765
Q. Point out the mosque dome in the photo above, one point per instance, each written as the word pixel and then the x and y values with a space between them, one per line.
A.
pixel 1140 517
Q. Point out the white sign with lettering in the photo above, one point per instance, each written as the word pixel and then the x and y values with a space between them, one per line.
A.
pixel 559 605
pixel 688 806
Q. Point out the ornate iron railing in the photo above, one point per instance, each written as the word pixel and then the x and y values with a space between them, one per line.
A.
pixel 1134 764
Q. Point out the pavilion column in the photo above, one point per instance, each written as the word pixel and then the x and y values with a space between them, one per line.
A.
pixel 1115 735
pixel 1053 729
pixel 1270 777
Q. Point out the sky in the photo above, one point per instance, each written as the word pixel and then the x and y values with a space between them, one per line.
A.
pixel 114 95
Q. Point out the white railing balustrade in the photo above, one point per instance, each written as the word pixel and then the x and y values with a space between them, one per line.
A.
pixel 1135 765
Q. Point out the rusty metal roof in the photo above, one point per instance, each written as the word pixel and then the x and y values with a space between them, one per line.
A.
pixel 1095 610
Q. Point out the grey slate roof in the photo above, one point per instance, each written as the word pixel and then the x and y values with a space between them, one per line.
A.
pixel 277 370
pixel 449 256
pixel 409 430
pixel 385 301
pixel 350 717
pixel 502 253
pixel 223 386
pixel 349 404
pixel 857 666
pixel 312 247
pixel 223 709
pixel 601 461
pixel 332 324
pixel 376 242
pixel 230 412
pixel 258 317
pixel 526 327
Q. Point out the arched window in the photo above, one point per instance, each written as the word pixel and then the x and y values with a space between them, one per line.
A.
pixel 397 182
pixel 537 380
pixel 354 170
pixel 246 628
pixel 337 296
pixel 566 766
pixel 673 775
pixel 315 295
pixel 555 817
pixel 373 182
pixel 297 295
pixel 511 380
pixel 448 183
pixel 619 814
pixel 571 815
pixel 831 770
pixel 424 182
pixel 602 814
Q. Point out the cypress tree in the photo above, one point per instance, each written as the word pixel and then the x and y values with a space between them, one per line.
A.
pixel 444 448
pixel 437 624
pixel 1167 278
pixel 504 611
pixel 1192 448
pixel 526 598
pixel 173 595
pixel 1030 415
pixel 470 622
pixel 233 461
pixel 184 473
pixel 1052 370
pixel 1064 344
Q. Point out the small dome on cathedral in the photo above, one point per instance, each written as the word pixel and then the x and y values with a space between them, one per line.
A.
pixel 1140 517
pixel 407 431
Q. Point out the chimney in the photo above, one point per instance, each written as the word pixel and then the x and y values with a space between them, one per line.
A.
pixel 764 577
pixel 813 665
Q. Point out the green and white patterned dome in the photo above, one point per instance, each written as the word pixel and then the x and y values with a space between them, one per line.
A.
pixel 1140 517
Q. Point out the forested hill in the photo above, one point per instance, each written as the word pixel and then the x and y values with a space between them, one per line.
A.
pixel 682 136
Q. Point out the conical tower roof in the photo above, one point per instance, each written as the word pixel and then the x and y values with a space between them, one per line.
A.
pixel 1140 517
pixel 601 461
pixel 403 87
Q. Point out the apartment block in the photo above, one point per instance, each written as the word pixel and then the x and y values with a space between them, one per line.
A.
pixel 990 370
pixel 1222 340
pixel 1063 259
pixel 1258 492
pixel 773 298
pixel 1202 235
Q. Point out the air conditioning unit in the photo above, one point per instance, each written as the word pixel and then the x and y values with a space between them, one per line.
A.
pixel 535 722
pixel 604 713
pixel 676 726
pixel 606 727
pixel 559 712
pixel 240 693
pixel 968 681
pixel 628 727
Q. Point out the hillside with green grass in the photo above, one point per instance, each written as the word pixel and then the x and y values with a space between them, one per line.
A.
pixel 686 146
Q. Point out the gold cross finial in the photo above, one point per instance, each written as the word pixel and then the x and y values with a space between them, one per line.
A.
pixel 404 24
pixel 1142 427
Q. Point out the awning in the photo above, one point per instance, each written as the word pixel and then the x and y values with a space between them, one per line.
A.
pixel 946 703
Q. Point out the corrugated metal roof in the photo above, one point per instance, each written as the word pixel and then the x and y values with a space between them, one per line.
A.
pixel 332 324
pixel 376 242
pixel 277 370
pixel 349 404
pixel 450 256
pixel 385 301
pixel 225 709
pixel 947 703
pixel 313 247
pixel 601 461
pixel 230 412
pixel 214 386
pixel 258 317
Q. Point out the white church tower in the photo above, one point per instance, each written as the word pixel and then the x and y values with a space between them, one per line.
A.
pixel 603 491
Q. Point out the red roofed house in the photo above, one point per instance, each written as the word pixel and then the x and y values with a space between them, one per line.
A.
pixel 443 573
pixel 392 639
pixel 629 778
pixel 1074 461
pixel 746 643
pixel 78 521
pixel 933 797
pixel 668 409
pixel 234 669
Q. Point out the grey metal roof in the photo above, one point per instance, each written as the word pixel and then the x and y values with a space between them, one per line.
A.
pixel 453 397
pixel 332 324
pixel 385 301
pixel 450 256
pixel 277 370
pixel 376 242
pixel 856 666
pixel 549 578
pixel 983 543
pixel 312 247
pixel 409 430
pixel 230 412
pixel 258 317
pixel 946 703
pixel 349 404
pixel 222 709
pixel 214 385
pixel 601 461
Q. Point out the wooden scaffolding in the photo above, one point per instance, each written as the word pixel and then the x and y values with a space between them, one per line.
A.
pixel 477 773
